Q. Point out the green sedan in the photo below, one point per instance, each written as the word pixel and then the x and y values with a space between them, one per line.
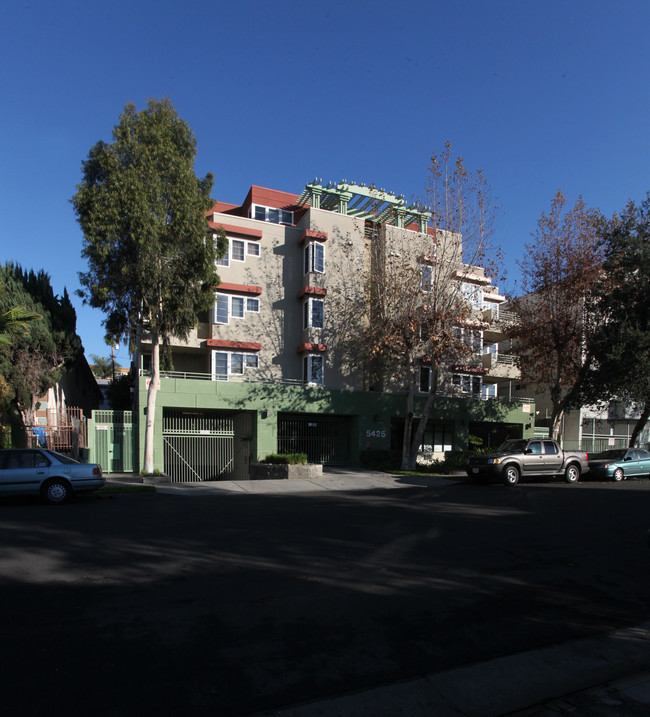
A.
pixel 620 463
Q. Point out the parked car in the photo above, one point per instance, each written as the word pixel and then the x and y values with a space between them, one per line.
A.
pixel 620 463
pixel 53 476
pixel 523 457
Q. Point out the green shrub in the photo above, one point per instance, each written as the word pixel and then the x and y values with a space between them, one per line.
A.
pixel 286 459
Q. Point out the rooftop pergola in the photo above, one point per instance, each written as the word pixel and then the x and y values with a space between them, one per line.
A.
pixel 369 203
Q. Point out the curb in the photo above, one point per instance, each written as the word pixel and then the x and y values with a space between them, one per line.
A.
pixel 501 686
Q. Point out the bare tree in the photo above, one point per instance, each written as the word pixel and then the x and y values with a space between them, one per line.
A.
pixel 559 273
pixel 421 302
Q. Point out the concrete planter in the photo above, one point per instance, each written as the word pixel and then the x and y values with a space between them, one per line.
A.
pixel 269 471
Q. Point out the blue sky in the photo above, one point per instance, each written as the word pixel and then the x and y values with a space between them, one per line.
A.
pixel 541 95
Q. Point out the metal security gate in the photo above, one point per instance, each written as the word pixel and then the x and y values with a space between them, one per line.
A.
pixel 325 439
pixel 206 445
pixel 113 441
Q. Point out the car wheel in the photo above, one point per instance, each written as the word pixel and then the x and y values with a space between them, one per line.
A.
pixel 56 491
pixel 511 475
pixel 572 474
pixel 619 475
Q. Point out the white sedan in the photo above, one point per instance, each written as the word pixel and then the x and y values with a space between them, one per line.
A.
pixel 53 476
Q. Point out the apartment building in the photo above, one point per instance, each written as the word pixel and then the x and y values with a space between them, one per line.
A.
pixel 268 369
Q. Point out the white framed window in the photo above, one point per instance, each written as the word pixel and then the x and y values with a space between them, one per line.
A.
pixel 489 390
pixel 235 307
pixel 225 259
pixel 312 369
pixel 426 283
pixel 314 259
pixel 237 250
pixel 231 363
pixel 237 364
pixel 271 214
pixel 313 314
pixel 219 366
pixel 469 384
pixel 473 293
pixel 221 309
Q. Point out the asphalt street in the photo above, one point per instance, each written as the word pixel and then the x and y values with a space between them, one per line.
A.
pixel 235 602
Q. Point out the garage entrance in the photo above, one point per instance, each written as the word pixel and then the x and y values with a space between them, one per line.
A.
pixel 203 445
pixel 325 439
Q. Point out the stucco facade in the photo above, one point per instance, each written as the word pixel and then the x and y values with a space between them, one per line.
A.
pixel 273 347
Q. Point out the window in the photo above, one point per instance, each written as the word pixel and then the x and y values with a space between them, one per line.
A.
pixel 468 384
pixel 489 390
pixel 426 283
pixel 252 248
pixel 313 370
pixel 473 294
pixel 225 259
pixel 237 364
pixel 237 307
pixel 314 258
pixel 271 214
pixel 550 448
pixel 227 307
pixel 314 314
pixel 472 338
pixel 237 248
pixel 220 366
pixel 221 309
pixel 437 440
pixel 425 379
pixel 226 363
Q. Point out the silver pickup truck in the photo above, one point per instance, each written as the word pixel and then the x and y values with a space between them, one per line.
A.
pixel 523 457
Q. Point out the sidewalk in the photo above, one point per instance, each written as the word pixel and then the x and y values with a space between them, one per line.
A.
pixel 598 676
pixel 333 479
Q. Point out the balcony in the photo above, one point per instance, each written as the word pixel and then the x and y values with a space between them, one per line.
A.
pixel 501 366
pixel 499 324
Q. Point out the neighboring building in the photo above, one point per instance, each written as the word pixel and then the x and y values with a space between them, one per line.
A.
pixel 63 411
pixel 265 370
pixel 594 428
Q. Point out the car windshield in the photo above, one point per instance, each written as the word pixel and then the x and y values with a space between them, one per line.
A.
pixel 513 446
pixel 60 457
pixel 615 454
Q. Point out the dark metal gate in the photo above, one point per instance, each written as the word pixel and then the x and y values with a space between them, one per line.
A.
pixel 206 445
pixel 325 439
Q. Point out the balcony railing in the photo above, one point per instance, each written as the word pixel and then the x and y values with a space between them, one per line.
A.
pixel 500 316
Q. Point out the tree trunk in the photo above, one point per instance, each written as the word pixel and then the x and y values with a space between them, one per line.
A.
pixel 413 447
pixel 556 427
pixel 408 428
pixel 154 385
pixel 419 433
pixel 28 415
pixel 640 425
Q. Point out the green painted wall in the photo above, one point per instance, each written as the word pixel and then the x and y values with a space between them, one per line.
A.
pixel 373 411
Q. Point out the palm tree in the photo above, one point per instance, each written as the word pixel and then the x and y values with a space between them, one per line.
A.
pixel 15 321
